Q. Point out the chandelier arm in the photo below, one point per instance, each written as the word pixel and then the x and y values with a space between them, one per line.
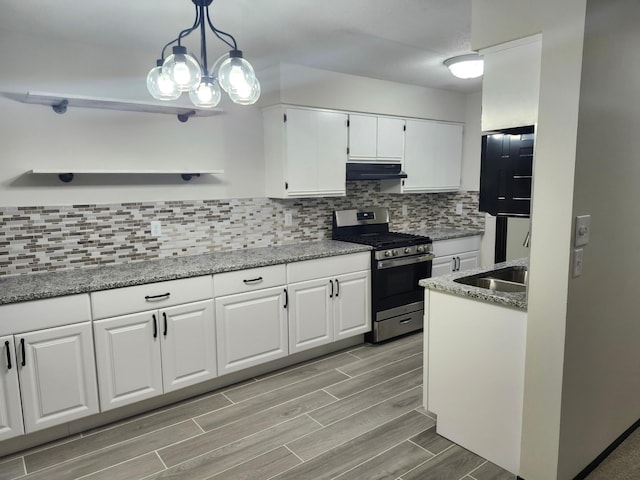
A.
pixel 217 33
pixel 188 31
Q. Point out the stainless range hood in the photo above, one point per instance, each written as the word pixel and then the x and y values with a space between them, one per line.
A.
pixel 374 171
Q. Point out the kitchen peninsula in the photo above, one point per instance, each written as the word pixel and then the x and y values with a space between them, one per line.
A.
pixel 474 341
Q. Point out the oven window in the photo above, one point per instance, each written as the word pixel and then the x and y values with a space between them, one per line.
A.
pixel 397 286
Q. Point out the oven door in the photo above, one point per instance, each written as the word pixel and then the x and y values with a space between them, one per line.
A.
pixel 395 281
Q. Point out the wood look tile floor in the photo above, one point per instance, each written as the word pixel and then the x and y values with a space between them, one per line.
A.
pixel 351 415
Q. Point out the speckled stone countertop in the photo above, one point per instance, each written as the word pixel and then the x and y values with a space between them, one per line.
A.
pixel 446 234
pixel 68 282
pixel 445 283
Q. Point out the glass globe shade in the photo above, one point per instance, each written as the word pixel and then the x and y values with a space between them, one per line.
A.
pixel 236 73
pixel 466 66
pixel 246 97
pixel 206 94
pixel 160 86
pixel 183 69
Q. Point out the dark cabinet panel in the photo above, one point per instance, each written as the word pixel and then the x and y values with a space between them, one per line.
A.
pixel 506 171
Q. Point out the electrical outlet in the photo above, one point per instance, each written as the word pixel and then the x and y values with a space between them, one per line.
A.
pixel 578 255
pixel 156 228
pixel 459 208
pixel 288 218
pixel 583 226
pixel 405 210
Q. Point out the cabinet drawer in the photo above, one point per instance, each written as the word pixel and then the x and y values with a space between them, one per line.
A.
pixel 328 267
pixel 456 245
pixel 248 280
pixel 122 301
pixel 47 313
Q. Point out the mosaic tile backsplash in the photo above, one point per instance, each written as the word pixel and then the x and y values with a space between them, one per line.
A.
pixel 36 239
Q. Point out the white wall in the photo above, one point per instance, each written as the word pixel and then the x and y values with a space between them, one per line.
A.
pixel 508 20
pixel 602 350
pixel 33 136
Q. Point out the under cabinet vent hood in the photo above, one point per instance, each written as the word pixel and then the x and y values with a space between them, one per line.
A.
pixel 374 171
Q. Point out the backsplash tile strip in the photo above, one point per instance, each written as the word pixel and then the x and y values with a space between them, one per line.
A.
pixel 37 238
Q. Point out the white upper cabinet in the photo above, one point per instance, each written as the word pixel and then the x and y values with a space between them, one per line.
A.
pixel 305 152
pixel 511 84
pixel 376 138
pixel 432 158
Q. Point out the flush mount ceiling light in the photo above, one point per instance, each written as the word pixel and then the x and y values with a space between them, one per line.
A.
pixel 181 72
pixel 466 66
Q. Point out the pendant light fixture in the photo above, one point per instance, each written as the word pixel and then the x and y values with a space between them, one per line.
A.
pixel 181 72
pixel 466 66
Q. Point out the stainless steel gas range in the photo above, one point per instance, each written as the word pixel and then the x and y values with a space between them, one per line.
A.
pixel 398 262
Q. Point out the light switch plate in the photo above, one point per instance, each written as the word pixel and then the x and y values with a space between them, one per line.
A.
pixel 578 255
pixel 156 228
pixel 583 227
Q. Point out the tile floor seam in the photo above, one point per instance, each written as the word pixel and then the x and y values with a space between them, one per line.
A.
pixel 347 440
pixel 156 411
pixel 293 453
pixel 366 408
pixel 42 448
pixel 92 452
pixel 369 459
pixel 198 425
pixel 316 421
pixel 476 469
pixel 374 385
pixel 261 411
pixel 243 438
pixel 384 366
pixel 161 461
pixel 289 385
pixel 423 448
pixel 323 390
pixel 340 371
pixel 225 396
pixel 110 466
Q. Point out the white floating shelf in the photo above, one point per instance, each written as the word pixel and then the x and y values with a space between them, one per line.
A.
pixel 66 175
pixel 60 102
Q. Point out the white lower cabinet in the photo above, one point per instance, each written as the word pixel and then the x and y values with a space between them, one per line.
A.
pixel 153 339
pixel 10 408
pixel 47 372
pixel 251 328
pixel 455 255
pixel 325 309
pixel 310 314
pixel 144 354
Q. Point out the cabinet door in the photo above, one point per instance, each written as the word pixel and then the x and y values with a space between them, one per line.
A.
pixel 10 408
pixel 57 375
pixel 448 154
pixel 352 304
pixel 251 328
pixel 363 132
pixel 316 152
pixel 442 265
pixel 188 345
pixel 128 358
pixel 310 314
pixel 468 260
pixel 390 139
pixel 433 156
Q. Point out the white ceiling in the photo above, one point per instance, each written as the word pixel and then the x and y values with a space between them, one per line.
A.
pixel 398 40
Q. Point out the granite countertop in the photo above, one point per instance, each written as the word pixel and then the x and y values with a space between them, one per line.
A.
pixel 445 283
pixel 447 233
pixel 37 286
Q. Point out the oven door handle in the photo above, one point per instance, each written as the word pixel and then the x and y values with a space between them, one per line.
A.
pixel 400 262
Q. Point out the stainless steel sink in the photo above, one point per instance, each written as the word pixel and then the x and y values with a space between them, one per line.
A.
pixel 509 279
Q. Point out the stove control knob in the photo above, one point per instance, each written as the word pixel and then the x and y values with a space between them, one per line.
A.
pixel 407 250
pixel 388 253
pixel 394 252
pixel 420 249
